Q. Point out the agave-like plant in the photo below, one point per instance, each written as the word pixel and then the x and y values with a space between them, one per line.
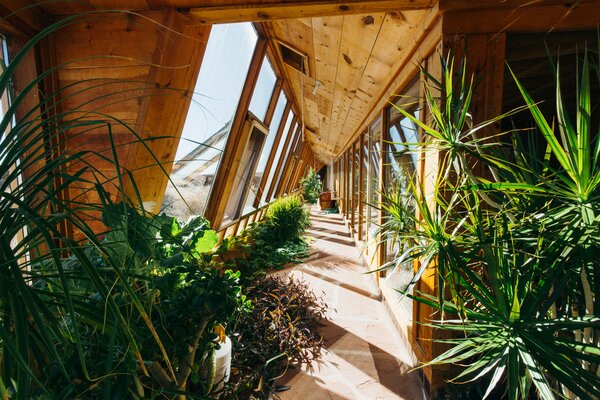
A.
pixel 515 249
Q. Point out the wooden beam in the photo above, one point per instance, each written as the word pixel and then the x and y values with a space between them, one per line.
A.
pixel 383 184
pixel 535 18
pixel 446 5
pixel 300 161
pixel 18 17
pixel 361 179
pixel 289 160
pixel 222 11
pixel 347 177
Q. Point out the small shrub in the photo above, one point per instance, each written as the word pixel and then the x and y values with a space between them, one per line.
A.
pixel 287 218
pixel 312 186
pixel 281 328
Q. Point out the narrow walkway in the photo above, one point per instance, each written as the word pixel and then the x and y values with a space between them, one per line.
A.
pixel 363 356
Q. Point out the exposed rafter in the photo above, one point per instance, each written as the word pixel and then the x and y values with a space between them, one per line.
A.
pixel 219 11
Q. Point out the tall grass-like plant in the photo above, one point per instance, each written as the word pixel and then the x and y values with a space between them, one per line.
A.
pixel 515 247
pixel 73 314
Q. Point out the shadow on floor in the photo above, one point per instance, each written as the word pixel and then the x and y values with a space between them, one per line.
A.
pixel 355 289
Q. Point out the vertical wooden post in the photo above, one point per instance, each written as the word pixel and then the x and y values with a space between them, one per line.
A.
pixel 361 172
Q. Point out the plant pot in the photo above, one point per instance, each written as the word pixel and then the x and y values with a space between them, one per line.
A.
pixel 222 364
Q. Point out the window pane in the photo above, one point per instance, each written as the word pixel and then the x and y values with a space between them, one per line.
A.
pixel 217 93
pixel 399 165
pixel 263 90
pixel 374 179
pixel 246 170
pixel 266 152
pixel 284 157
pixel 286 133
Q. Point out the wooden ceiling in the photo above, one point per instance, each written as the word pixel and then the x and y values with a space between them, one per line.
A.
pixel 353 57
pixel 354 48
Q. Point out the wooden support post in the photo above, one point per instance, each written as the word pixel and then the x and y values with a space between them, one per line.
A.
pixel 383 181
pixel 361 172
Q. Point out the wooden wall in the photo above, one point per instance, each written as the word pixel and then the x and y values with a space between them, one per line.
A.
pixel 137 72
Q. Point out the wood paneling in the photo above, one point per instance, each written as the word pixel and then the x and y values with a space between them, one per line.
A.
pixel 136 72
pixel 537 17
pixel 223 11
pixel 354 58
pixel 266 11
pixel 415 47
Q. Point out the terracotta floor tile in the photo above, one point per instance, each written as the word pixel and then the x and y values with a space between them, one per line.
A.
pixel 364 358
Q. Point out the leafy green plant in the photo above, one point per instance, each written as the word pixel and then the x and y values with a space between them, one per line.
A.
pixel 281 329
pixel 254 251
pixel 287 218
pixel 93 318
pixel 311 186
pixel 514 246
pixel 46 321
pixel 272 243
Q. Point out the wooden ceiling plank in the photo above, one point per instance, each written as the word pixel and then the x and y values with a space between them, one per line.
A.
pixel 385 58
pixel 359 33
pixel 326 40
pixel 429 32
pixel 220 11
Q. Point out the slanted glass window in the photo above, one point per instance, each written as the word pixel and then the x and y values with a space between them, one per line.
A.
pixel 248 163
pixel 218 88
pixel 266 152
pixel 285 156
pixel 286 132
pixel 263 90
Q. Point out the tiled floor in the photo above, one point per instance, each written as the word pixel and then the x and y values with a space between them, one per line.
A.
pixel 363 356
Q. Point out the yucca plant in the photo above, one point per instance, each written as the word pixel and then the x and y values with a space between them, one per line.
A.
pixel 518 280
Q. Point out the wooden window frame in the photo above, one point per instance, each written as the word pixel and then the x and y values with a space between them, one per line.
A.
pixel 269 166
pixel 288 160
pixel 274 183
pixel 217 202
